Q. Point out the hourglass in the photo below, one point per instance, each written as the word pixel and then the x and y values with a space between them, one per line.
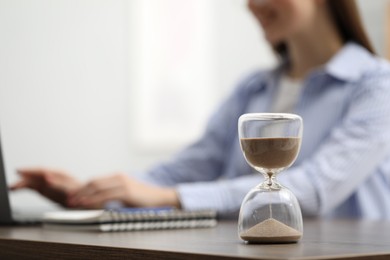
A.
pixel 270 213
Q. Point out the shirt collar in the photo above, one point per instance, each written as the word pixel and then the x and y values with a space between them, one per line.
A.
pixel 262 80
pixel 350 63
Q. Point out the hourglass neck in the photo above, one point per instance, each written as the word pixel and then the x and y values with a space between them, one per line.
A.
pixel 270 182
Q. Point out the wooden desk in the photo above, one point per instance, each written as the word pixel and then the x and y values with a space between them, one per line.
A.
pixel 322 240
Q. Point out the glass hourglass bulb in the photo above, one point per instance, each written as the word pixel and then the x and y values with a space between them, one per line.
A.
pixel 270 143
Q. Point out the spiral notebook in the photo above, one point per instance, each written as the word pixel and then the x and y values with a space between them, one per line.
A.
pixel 129 219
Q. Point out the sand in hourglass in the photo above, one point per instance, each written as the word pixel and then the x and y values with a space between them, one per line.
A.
pixel 270 153
pixel 271 231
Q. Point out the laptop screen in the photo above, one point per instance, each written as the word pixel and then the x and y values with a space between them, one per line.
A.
pixel 5 216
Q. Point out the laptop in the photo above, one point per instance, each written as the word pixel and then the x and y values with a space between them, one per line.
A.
pixel 6 215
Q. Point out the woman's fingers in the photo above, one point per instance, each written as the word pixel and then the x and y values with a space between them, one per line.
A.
pixel 100 198
pixel 19 185
pixel 122 188
pixel 28 180
pixel 95 187
pixel 32 171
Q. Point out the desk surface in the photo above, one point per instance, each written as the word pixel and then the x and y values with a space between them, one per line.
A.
pixel 321 240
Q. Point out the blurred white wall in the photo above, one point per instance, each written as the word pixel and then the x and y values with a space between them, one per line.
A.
pixel 374 16
pixel 186 56
pixel 96 86
pixel 63 86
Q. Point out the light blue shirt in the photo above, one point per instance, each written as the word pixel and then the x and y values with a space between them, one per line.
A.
pixel 343 169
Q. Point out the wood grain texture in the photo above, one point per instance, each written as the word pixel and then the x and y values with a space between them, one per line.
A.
pixel 321 240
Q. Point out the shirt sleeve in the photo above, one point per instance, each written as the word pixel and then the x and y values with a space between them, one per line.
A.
pixel 225 196
pixel 351 153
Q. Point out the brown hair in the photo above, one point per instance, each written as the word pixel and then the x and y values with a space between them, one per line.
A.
pixel 347 19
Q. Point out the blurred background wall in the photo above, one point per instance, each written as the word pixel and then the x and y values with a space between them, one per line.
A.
pixel 97 86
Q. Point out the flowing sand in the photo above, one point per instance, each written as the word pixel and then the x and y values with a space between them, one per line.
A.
pixel 271 231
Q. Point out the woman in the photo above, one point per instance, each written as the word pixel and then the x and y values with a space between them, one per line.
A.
pixel 329 75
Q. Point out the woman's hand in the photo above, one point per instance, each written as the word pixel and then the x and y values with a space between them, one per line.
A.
pixel 56 185
pixel 125 189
